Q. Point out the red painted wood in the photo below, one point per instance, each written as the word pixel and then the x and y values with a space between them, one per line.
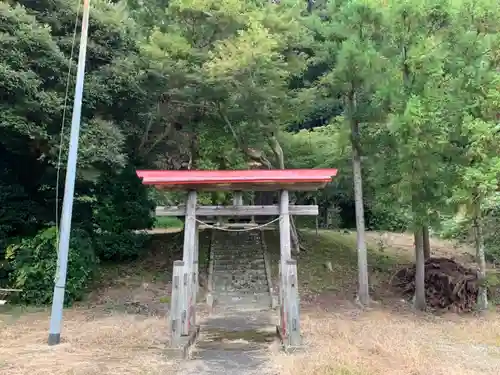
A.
pixel 255 176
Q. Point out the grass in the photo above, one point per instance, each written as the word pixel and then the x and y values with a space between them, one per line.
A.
pixel 167 222
pixel 334 247
pixel 93 343
pixel 354 342
pixel 388 338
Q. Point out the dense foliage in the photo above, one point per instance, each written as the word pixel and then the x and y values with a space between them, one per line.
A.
pixel 407 89
pixel 34 264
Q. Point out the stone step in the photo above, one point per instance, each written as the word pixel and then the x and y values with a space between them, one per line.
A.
pixel 246 292
pixel 223 271
pixel 241 301
pixel 235 246
pixel 239 273
pixel 252 263
pixel 238 257
pixel 239 293
pixel 226 283
pixel 238 267
pixel 225 277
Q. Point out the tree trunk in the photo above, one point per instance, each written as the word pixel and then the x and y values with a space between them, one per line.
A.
pixel 280 158
pixel 419 298
pixel 426 242
pixel 482 297
pixel 363 283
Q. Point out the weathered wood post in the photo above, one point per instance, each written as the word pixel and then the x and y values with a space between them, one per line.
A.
pixel 188 258
pixel 195 284
pixel 292 304
pixel 282 290
pixel 237 198
pixel 197 256
pixel 176 299
pixel 285 254
pixel 210 296
pixel 237 201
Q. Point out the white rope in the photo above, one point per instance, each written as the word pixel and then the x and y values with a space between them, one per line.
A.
pixel 237 230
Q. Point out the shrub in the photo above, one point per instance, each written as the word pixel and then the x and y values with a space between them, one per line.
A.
pixel 387 219
pixel 119 246
pixel 122 202
pixel 34 264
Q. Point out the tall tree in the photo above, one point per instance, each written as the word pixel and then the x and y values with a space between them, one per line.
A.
pixel 416 137
pixel 474 42
pixel 351 35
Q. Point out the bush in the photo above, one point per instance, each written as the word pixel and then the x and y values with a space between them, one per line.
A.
pixel 387 219
pixel 122 202
pixel 119 246
pixel 34 264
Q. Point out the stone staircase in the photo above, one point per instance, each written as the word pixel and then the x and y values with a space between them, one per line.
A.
pixel 239 271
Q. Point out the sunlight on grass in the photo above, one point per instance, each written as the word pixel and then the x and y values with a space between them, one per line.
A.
pixel 339 249
pixel 167 222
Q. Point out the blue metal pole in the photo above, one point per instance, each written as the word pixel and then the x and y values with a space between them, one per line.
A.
pixel 69 188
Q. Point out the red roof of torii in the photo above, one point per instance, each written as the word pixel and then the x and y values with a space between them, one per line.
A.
pixel 252 179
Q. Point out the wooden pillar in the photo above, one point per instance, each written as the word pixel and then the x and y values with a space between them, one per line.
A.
pixel 285 254
pixel 209 296
pixel 237 198
pixel 285 241
pixel 292 304
pixel 194 273
pixel 252 220
pixel 237 201
pixel 188 257
pixel 176 299
pixel 197 255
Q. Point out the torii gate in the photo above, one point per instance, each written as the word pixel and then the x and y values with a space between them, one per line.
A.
pixel 185 276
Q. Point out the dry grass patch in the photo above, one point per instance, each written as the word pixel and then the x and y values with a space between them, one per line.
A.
pixel 120 329
pixel 353 342
pixel 92 344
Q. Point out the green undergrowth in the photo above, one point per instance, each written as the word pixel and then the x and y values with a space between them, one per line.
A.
pixel 155 266
pixel 167 222
pixel 337 248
